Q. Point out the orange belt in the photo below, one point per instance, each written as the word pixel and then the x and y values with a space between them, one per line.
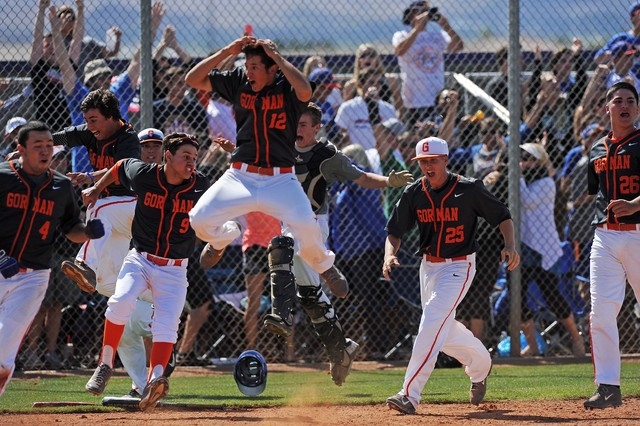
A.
pixel 163 261
pixel 435 259
pixel 23 270
pixel 267 171
pixel 620 226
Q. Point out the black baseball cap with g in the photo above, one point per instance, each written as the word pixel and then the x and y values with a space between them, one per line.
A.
pixel 413 7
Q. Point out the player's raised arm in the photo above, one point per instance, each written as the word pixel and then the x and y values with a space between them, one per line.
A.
pixel 198 76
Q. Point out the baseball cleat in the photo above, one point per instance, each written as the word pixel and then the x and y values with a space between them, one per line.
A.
pixel 336 282
pixel 154 392
pixel 477 392
pixel 605 396
pixel 401 403
pixel 340 371
pixel 210 256
pixel 81 274
pixel 99 380
pixel 277 325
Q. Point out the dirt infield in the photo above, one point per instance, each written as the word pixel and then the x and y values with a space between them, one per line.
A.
pixel 502 413
pixel 492 413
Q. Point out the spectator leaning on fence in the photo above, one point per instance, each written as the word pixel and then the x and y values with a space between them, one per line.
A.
pixel 420 53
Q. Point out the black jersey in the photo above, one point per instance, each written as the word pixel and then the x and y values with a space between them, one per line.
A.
pixel 103 154
pixel 614 174
pixel 161 222
pixel 320 165
pixel 447 218
pixel 33 210
pixel 266 121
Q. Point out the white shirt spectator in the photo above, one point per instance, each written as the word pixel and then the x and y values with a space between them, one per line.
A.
pixel 422 66
pixel 538 228
pixel 221 121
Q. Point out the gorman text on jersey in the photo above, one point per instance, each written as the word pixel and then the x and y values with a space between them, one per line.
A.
pixel 158 201
pixel 620 162
pixel 446 214
pixel 275 101
pixel 21 201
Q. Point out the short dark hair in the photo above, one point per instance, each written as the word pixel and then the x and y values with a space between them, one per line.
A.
pixel 557 55
pixel 315 112
pixel 258 51
pixel 103 100
pixel 173 141
pixel 621 85
pixel 31 126
pixel 502 54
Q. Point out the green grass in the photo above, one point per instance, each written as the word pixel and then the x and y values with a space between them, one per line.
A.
pixel 550 382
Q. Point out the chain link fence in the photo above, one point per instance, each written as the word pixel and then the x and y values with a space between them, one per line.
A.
pixel 451 81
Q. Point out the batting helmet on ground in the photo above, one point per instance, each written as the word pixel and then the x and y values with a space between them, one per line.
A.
pixel 250 373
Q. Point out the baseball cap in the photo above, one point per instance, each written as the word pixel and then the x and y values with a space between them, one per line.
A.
pixel 634 6
pixel 250 373
pixel 57 149
pixel 416 5
pixel 621 47
pixel 394 126
pixel 14 123
pixel 95 68
pixel 590 129
pixel 150 135
pixel 323 76
pixel 431 147
pixel 536 150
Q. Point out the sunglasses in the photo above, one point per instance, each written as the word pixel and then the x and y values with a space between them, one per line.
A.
pixel 368 54
pixel 527 157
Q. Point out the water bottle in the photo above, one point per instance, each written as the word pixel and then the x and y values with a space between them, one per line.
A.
pixel 67 352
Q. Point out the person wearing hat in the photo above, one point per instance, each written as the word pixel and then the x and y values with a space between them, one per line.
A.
pixel 10 139
pixel 623 56
pixel 446 207
pixel 422 81
pixel 632 37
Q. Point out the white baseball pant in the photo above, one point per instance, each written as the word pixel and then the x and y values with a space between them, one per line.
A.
pixel 238 192
pixel 20 300
pixel 615 259
pixel 442 288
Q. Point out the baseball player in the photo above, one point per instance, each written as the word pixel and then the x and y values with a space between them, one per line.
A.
pixel 318 165
pixel 614 177
pixel 268 94
pixel 162 242
pixel 36 203
pixel 108 139
pixel 446 207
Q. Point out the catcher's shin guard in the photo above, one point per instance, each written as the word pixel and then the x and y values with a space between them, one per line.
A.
pixel 324 319
pixel 283 290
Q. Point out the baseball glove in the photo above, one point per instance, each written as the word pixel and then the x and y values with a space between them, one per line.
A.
pixel 8 265
pixel 399 179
